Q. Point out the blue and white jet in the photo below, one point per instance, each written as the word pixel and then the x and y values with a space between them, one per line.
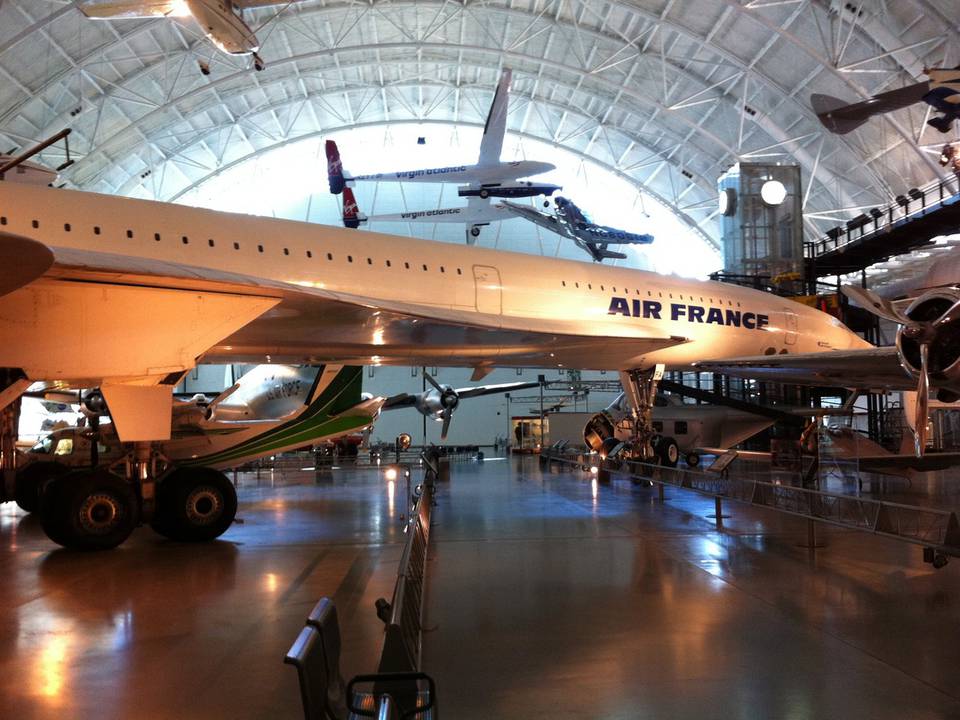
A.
pixel 569 221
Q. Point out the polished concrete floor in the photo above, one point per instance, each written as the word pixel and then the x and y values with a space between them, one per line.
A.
pixel 550 596
pixel 156 629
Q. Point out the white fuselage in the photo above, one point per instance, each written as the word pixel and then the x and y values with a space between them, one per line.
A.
pixel 219 23
pixel 482 212
pixel 482 288
pixel 462 174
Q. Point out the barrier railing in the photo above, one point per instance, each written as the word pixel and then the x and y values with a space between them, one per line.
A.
pixel 938 531
pixel 915 203
pixel 399 689
pixel 401 647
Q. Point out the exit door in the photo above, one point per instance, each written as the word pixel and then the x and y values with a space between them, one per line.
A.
pixel 790 321
pixel 488 289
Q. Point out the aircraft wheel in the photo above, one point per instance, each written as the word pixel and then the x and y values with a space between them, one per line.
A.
pixel 30 481
pixel 484 193
pixel 475 231
pixel 89 510
pixel 195 505
pixel 668 452
pixel 693 460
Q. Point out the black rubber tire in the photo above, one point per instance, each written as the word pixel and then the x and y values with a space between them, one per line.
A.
pixel 89 510
pixel 484 193
pixel 668 451
pixel 30 481
pixel 693 460
pixel 195 505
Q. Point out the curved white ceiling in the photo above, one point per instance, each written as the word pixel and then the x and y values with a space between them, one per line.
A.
pixel 666 93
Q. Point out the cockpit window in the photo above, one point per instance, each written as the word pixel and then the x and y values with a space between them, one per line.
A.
pixel 43 447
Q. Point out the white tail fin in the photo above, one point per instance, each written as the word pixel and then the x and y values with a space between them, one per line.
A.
pixel 496 126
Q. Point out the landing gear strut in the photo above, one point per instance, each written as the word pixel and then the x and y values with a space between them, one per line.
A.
pixel 12 385
pixel 625 430
pixel 640 387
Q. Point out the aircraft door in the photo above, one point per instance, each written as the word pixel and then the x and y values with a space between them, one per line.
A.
pixel 488 289
pixel 790 322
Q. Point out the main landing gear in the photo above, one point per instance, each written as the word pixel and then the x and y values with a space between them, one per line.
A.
pixel 644 443
pixel 625 430
pixel 98 509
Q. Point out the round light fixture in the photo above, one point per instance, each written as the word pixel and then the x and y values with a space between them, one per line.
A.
pixel 772 192
pixel 727 202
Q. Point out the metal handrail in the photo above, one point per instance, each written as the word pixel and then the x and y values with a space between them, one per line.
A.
pixel 402 644
pixel 928 527
pixel 890 214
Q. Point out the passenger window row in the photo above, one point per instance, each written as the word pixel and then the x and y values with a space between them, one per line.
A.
pixel 691 298
pixel 67 227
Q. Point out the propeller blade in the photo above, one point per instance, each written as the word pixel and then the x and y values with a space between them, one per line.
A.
pixel 949 316
pixel 923 399
pixel 447 416
pixel 869 300
pixel 433 382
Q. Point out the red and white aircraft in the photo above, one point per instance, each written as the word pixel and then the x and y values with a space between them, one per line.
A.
pixel 489 178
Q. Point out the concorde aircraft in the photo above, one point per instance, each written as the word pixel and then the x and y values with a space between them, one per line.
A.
pixel 220 20
pixel 570 222
pixel 490 177
pixel 127 295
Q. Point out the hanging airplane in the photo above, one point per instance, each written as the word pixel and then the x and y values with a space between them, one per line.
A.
pixel 270 410
pixel 570 222
pixel 220 20
pixel 128 295
pixel 941 92
pixel 489 177
pixel 475 214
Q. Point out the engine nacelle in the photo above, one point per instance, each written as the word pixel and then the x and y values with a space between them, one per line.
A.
pixel 943 340
pixel 598 429
pixel 432 402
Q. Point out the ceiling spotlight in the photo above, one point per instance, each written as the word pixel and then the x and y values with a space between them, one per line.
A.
pixel 772 192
